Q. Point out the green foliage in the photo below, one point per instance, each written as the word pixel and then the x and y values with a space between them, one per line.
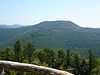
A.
pixel 69 69
pixel 38 62
pixel 54 34
pixel 69 58
pixel 92 61
pixel 60 59
pixel 7 54
pixel 77 63
pixel 29 51
pixel 18 48
pixel 83 67
pixel 50 56
pixel 40 54
pixel 63 60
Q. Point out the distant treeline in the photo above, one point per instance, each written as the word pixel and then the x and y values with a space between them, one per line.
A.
pixel 59 59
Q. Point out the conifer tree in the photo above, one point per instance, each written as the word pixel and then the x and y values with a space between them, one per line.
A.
pixel 92 61
pixel 60 59
pixel 18 48
pixel 83 67
pixel 50 56
pixel 68 58
pixel 77 63
pixel 29 52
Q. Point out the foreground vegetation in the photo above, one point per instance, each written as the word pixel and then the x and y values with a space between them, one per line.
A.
pixel 59 59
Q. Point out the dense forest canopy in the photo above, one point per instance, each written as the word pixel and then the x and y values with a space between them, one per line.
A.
pixel 66 60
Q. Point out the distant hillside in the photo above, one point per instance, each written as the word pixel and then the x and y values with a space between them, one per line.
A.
pixel 55 34
pixel 9 34
pixel 10 26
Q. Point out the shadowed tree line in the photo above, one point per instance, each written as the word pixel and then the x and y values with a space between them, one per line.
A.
pixel 58 59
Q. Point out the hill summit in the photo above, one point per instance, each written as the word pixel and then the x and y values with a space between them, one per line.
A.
pixel 54 34
pixel 59 24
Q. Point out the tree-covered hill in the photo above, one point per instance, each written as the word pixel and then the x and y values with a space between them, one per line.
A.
pixel 7 35
pixel 54 34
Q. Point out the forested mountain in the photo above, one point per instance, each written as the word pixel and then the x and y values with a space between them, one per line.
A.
pixel 54 34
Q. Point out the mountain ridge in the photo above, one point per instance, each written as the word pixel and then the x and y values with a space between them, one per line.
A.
pixel 54 34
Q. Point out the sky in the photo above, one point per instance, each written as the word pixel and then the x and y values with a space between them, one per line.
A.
pixel 85 13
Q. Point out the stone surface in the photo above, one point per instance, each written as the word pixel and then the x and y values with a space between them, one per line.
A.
pixel 31 68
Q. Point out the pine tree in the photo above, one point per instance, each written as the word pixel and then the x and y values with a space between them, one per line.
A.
pixel 60 59
pixel 77 63
pixel 18 48
pixel 50 56
pixel 92 61
pixel 29 52
pixel 83 67
pixel 68 58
